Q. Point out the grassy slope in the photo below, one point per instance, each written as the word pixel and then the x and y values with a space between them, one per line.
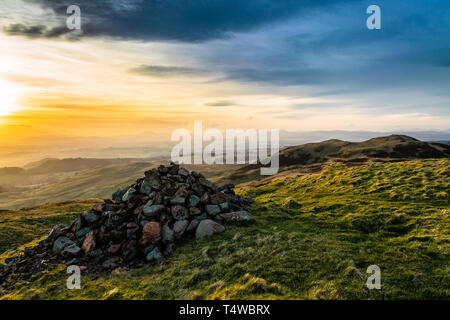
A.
pixel 393 215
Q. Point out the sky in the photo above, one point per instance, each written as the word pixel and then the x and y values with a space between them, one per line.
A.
pixel 158 65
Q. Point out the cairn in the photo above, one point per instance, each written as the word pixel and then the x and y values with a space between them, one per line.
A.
pixel 141 225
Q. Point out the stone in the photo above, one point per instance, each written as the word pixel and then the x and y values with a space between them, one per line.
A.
pixel 207 228
pixel 113 249
pixel 224 207
pixel 155 256
pixel 183 172
pixel 179 227
pixel 96 253
pixel 90 217
pixel 204 199
pixel 179 197
pixel 146 187
pixel 237 216
pixel 208 184
pixel 61 243
pixel 202 216
pixel 55 232
pixel 197 188
pixel 118 195
pixel 153 180
pixel 129 250
pixel 168 234
pixel 219 198
pixel 169 250
pixel 114 221
pixel 148 249
pixel 99 207
pixel 212 209
pixel 195 211
pixel 71 251
pixel 193 201
pixel 193 225
pixel 153 211
pixel 112 263
pixel 89 243
pixel 132 225
pixel 81 233
pixel 127 196
pixel 151 233
pixel 179 212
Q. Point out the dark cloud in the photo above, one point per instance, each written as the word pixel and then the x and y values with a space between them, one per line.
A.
pixel 37 31
pixel 167 71
pixel 222 103
pixel 187 20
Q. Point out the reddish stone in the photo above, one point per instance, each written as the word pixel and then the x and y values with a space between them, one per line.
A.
pixel 113 249
pixel 219 198
pixel 151 233
pixel 89 243
pixel 132 225
pixel 99 207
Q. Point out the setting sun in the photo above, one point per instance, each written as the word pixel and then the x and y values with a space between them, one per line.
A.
pixel 8 96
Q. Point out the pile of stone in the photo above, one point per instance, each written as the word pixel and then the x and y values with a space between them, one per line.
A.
pixel 141 224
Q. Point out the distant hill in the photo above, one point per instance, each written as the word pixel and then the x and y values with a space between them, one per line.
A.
pixel 393 147
pixel 310 157
pixel 72 164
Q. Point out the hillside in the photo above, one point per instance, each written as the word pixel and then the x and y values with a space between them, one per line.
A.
pixel 394 147
pixel 314 237
pixel 310 158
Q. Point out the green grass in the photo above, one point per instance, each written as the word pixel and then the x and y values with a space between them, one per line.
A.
pixel 395 216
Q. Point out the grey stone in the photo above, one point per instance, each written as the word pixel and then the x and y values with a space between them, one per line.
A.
pixel 207 228
pixel 237 216
pixel 90 217
pixel 146 188
pixel 193 225
pixel 155 256
pixel 183 172
pixel 56 231
pixel 179 197
pixel 130 192
pixel 224 206
pixel 179 212
pixel 168 235
pixel 208 184
pixel 71 250
pixel 118 195
pixel 61 243
pixel 193 200
pixel 169 249
pixel 96 253
pixel 202 216
pixel 212 209
pixel 179 228
pixel 112 263
pixel 82 232
pixel 153 211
